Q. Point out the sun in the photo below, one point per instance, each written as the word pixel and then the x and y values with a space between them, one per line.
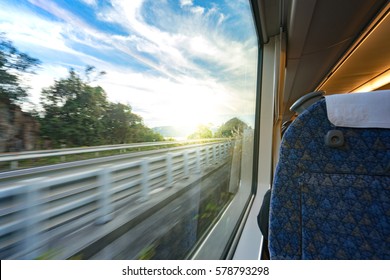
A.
pixel 193 109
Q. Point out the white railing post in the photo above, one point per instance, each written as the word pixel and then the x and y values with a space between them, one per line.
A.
pixel 186 170
pixel 214 154
pixel 207 150
pixel 198 160
pixel 33 236
pixel 169 164
pixel 105 208
pixel 145 179
pixel 14 164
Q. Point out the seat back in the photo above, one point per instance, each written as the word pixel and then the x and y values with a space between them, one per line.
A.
pixel 331 201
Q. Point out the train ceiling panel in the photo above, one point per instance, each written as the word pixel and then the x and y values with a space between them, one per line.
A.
pixel 368 60
pixel 319 33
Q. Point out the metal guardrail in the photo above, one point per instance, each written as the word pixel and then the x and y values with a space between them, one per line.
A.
pixel 14 158
pixel 39 212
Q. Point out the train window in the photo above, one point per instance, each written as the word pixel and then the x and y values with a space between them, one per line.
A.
pixel 127 127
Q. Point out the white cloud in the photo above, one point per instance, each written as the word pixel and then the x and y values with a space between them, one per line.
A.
pixel 190 4
pixel 171 49
pixel 197 10
pixel 186 3
pixel 188 102
pixel 22 28
pixel 186 90
pixel 92 3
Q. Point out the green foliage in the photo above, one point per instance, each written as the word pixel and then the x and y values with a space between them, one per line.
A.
pixel 118 121
pixel 203 132
pixel 13 64
pixel 48 255
pixel 232 128
pixel 73 112
pixel 123 126
pixel 78 114
pixel 146 134
pixel 147 253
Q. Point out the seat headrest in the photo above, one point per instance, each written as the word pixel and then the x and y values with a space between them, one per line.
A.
pixel 359 110
pixel 305 101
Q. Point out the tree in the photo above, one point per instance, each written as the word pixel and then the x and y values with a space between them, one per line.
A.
pixel 73 112
pixel 231 128
pixel 119 123
pixel 202 132
pixel 143 133
pixel 13 64
pixel 78 114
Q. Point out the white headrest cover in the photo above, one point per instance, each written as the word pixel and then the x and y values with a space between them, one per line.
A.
pixel 362 110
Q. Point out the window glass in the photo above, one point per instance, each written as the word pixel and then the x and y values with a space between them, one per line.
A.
pixel 104 75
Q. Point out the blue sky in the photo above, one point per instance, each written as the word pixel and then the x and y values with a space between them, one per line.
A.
pixel 176 62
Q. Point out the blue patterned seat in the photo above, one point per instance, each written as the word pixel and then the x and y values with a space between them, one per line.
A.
pixel 331 203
